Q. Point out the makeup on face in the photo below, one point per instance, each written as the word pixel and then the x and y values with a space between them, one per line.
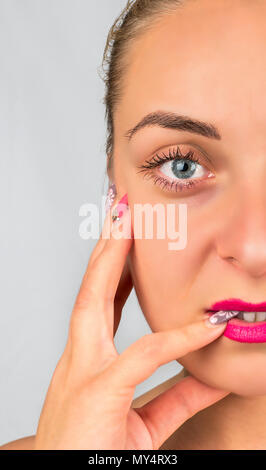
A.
pixel 246 322
pixel 174 170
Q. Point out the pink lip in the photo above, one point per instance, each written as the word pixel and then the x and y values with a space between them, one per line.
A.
pixel 236 329
pixel 237 304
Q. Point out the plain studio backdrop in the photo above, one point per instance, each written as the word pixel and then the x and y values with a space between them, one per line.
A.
pixel 52 143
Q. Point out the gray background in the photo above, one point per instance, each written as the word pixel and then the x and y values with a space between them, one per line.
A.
pixel 52 136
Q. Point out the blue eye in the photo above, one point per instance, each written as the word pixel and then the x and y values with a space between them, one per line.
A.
pixel 170 170
pixel 182 169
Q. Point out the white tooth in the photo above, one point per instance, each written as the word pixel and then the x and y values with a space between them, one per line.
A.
pixel 260 316
pixel 250 317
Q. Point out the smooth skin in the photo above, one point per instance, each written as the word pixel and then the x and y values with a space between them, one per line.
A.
pixel 205 61
pixel 89 401
pixel 209 64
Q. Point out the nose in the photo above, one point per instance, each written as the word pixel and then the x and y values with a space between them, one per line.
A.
pixel 242 236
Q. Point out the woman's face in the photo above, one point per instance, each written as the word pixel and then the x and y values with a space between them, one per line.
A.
pixel 205 62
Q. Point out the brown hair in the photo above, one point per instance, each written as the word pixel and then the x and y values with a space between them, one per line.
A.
pixel 134 20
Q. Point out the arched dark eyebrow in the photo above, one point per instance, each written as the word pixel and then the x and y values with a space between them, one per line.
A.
pixel 175 121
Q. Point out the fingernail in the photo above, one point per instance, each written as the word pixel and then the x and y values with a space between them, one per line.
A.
pixel 111 195
pixel 213 322
pixel 222 316
pixel 120 209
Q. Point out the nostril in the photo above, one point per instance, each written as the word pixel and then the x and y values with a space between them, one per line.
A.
pixel 233 260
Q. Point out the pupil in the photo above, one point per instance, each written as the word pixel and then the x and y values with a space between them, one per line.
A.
pixel 183 168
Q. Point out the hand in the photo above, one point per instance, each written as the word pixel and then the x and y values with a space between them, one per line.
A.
pixel 89 400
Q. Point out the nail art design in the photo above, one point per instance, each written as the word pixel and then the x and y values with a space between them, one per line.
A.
pixel 120 209
pixel 111 195
pixel 222 316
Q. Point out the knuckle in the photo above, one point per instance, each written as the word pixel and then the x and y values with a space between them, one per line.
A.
pixel 79 314
pixel 89 299
pixel 186 404
pixel 148 346
pixel 107 363
pixel 187 335
pixel 96 265
pixel 79 320
pixel 92 294
pixel 81 304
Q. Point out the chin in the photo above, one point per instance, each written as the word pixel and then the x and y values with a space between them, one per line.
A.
pixel 241 372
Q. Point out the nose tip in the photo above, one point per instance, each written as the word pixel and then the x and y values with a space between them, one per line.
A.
pixel 242 240
pixel 252 261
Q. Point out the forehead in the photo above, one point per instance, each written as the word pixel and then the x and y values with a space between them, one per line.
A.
pixel 206 60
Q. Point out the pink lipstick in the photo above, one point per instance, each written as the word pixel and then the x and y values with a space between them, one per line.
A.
pixel 240 329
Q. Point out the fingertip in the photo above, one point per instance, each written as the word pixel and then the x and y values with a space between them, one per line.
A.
pixel 213 325
pixel 121 220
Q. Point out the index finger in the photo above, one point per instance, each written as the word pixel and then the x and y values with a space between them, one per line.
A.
pixel 94 306
pixel 141 359
pixel 104 271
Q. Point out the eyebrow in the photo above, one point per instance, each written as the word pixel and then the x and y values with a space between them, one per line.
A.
pixel 175 121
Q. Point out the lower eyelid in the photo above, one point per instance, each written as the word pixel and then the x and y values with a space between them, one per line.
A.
pixel 176 185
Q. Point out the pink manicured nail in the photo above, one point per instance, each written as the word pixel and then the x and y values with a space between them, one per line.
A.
pixel 111 195
pixel 119 210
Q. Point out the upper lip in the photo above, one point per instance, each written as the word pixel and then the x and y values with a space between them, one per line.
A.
pixel 238 305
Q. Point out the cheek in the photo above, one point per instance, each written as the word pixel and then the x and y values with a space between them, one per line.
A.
pixel 164 280
pixel 171 285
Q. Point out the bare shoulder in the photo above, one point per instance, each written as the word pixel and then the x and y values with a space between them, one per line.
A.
pixel 154 392
pixel 25 443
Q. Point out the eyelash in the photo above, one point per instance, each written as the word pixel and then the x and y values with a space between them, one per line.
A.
pixel 158 160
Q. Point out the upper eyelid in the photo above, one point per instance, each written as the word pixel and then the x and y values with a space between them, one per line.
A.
pixel 166 155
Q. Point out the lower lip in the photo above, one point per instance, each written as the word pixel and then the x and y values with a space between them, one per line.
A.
pixel 245 332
